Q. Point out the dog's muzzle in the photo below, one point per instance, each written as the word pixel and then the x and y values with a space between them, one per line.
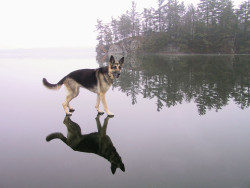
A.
pixel 116 74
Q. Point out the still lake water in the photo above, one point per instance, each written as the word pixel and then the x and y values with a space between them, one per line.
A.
pixel 180 122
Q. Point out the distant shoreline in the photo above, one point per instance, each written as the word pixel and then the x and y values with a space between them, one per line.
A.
pixel 205 54
pixel 77 53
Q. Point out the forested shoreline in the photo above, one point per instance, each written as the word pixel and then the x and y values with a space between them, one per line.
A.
pixel 214 26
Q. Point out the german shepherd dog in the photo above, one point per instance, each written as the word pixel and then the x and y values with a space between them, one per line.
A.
pixel 97 142
pixel 96 80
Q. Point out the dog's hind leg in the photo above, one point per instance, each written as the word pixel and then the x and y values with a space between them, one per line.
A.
pixel 72 91
pixel 74 95
pixel 66 104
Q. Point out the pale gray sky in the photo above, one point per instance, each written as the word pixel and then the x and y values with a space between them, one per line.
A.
pixel 59 23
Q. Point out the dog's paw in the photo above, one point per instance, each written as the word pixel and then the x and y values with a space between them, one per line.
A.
pixel 68 114
pixel 110 114
pixel 71 110
pixel 100 113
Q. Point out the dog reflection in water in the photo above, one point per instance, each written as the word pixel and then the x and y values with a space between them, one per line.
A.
pixel 97 142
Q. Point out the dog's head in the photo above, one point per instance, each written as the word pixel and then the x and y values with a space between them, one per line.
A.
pixel 115 66
pixel 116 162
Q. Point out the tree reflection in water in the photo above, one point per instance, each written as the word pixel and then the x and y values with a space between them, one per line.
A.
pixel 208 80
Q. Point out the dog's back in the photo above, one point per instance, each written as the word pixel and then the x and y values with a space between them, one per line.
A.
pixel 85 77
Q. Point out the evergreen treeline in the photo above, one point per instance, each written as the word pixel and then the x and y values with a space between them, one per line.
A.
pixel 214 26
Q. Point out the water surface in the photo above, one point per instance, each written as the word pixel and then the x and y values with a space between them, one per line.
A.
pixel 180 122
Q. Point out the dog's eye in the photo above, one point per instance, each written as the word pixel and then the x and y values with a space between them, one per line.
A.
pixel 119 67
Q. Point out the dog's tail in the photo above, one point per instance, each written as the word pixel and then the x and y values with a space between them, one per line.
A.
pixel 53 86
pixel 56 135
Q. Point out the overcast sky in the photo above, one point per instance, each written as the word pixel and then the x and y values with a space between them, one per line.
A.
pixel 59 23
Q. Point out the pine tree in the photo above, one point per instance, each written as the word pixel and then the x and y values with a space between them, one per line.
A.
pixel 245 15
pixel 107 35
pixel 160 15
pixel 190 19
pixel 115 30
pixel 134 17
pixel 100 30
pixel 204 7
pixel 125 26
pixel 175 11
pixel 147 22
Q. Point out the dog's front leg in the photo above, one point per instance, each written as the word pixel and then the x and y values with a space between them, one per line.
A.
pixel 104 102
pixel 98 104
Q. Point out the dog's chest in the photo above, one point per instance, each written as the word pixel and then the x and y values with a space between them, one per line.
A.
pixel 104 87
pixel 103 83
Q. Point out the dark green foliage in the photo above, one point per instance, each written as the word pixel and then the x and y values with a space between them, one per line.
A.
pixel 215 26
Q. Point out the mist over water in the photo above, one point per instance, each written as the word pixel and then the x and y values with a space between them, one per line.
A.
pixel 180 121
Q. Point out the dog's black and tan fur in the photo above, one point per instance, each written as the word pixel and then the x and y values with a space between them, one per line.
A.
pixel 96 80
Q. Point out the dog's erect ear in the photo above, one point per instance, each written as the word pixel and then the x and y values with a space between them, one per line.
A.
pixel 122 167
pixel 121 61
pixel 113 168
pixel 112 60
